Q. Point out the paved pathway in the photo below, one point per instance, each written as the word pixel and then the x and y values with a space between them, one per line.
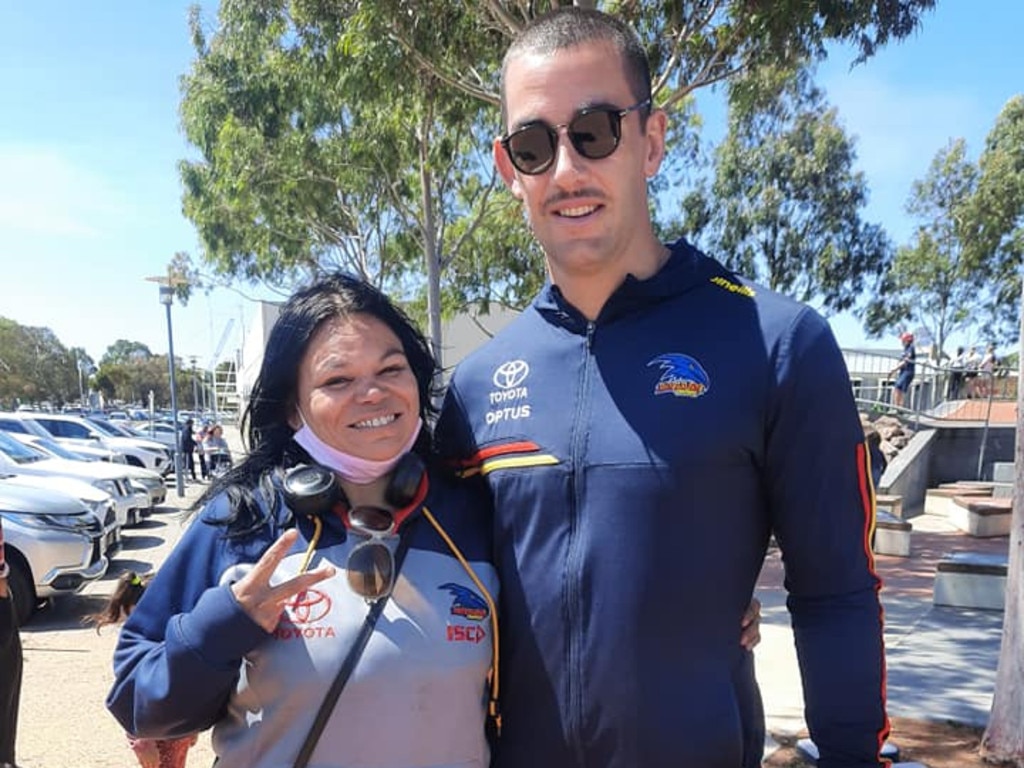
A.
pixel 941 661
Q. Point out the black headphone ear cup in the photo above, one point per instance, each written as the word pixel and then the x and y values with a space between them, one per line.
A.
pixel 310 489
pixel 405 481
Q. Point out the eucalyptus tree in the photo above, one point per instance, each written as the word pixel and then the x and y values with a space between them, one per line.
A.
pixel 996 214
pixel 34 365
pixel 785 204
pixel 691 45
pixel 325 146
pixel 962 269
pixel 933 282
pixel 357 134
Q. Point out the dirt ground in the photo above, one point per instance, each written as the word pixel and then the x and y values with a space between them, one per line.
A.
pixel 934 744
pixel 62 719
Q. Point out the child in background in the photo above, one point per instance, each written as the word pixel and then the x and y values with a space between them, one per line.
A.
pixel 151 753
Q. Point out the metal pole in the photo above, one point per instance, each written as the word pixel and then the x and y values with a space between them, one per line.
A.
pixel 984 430
pixel 178 476
pixel 81 387
pixel 213 380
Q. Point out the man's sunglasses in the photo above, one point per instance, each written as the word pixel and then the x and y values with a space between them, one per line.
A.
pixel 594 133
pixel 371 564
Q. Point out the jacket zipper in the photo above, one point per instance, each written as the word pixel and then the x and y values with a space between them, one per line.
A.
pixel 573 561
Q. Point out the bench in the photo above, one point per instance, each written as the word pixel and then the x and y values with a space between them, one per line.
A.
pixel 971 580
pixel 893 503
pixel 892 535
pixel 939 501
pixel 981 517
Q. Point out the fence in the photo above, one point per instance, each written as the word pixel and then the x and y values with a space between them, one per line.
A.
pixel 937 396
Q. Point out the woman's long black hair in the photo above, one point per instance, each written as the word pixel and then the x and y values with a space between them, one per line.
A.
pixel 271 403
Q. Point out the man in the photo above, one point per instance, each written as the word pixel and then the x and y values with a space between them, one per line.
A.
pixel 904 370
pixel 644 426
pixel 10 663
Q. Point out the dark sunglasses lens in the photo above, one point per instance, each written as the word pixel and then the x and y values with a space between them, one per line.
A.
pixel 371 519
pixel 531 149
pixel 371 570
pixel 595 134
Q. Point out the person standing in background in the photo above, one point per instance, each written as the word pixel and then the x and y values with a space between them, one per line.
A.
pixel 188 449
pixel 904 370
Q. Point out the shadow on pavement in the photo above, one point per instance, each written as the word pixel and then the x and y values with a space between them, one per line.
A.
pixel 140 542
pixel 64 613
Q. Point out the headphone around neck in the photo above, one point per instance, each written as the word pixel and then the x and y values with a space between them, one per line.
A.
pixel 314 490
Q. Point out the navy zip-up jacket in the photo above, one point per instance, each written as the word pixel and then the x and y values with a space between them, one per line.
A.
pixel 638 465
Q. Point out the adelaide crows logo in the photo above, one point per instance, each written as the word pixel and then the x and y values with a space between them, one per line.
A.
pixel 681 376
pixel 466 603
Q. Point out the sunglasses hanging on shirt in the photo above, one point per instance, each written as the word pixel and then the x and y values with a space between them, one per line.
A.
pixel 594 133
pixel 314 491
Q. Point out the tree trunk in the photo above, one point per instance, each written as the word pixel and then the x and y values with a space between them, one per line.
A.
pixel 1004 737
pixel 431 249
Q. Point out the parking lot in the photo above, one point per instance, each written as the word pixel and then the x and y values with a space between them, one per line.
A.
pixel 63 721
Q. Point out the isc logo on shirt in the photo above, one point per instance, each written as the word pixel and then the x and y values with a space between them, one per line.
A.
pixel 458 634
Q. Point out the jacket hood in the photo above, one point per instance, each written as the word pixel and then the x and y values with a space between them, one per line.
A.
pixel 685 269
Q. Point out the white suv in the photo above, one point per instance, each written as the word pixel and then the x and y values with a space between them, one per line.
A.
pixel 52 542
pixel 77 430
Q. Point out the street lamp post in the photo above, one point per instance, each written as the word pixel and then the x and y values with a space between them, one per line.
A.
pixel 195 388
pixel 167 298
pixel 81 386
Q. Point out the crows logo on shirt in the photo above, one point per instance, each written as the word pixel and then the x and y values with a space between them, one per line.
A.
pixel 681 376
pixel 466 604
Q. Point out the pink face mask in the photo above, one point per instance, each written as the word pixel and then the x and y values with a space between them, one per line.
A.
pixel 351 468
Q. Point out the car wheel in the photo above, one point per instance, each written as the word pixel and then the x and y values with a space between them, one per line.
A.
pixel 22 592
pixel 133 518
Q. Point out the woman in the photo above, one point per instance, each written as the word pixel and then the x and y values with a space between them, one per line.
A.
pixel 215 448
pixel 238 632
pixel 235 632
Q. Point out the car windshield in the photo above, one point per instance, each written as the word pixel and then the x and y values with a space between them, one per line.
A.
pixel 55 448
pixel 19 452
pixel 107 429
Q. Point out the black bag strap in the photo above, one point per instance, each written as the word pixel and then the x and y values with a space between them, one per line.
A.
pixel 354 653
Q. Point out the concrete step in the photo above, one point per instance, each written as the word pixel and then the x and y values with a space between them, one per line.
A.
pixel 971 580
pixel 981 517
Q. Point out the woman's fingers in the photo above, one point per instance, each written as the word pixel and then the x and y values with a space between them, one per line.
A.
pixel 264 602
pixel 751 625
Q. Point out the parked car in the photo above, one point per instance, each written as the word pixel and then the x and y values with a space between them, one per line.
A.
pixel 99 503
pixel 78 430
pixel 27 428
pixel 18 458
pixel 14 424
pixel 52 542
pixel 160 431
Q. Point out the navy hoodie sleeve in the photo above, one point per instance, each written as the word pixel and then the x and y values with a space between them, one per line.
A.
pixel 823 515
pixel 180 651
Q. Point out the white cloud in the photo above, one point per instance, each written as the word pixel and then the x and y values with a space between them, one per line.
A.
pixel 45 192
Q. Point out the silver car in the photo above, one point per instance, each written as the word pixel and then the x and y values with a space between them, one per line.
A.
pixel 18 458
pixel 52 542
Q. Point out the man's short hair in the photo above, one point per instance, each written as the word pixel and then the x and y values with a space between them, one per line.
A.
pixel 569 26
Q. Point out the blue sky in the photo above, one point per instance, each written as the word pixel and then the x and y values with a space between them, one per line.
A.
pixel 90 141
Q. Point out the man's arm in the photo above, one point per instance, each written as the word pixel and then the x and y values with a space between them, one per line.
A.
pixel 822 511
